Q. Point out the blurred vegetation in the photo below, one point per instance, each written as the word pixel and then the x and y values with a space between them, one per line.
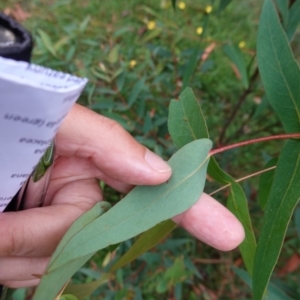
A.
pixel 138 55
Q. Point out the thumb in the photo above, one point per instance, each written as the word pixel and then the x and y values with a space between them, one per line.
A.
pixel 36 232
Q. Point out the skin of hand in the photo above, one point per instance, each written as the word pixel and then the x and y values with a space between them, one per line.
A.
pixel 90 147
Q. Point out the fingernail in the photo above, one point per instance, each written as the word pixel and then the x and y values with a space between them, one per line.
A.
pixel 156 163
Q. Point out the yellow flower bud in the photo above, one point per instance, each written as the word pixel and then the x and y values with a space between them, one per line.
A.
pixel 208 9
pixel 151 25
pixel 132 63
pixel 181 5
pixel 199 30
pixel 242 44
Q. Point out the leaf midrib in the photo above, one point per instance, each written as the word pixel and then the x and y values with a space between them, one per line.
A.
pixel 274 220
pixel 281 72
pixel 188 123
pixel 103 232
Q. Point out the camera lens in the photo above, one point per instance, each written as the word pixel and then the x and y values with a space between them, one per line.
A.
pixel 15 41
pixel 7 37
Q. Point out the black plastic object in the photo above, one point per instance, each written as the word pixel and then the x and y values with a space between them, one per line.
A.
pixel 15 41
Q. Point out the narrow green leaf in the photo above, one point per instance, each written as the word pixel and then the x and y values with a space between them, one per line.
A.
pixel 190 68
pixel 101 76
pixel 186 122
pixel 175 274
pixel 68 297
pixel 61 42
pixel 145 242
pixel 274 292
pixel 283 7
pixel 70 54
pixel 86 219
pixel 284 196
pixel 141 209
pixel 148 125
pixel 159 203
pixel 278 68
pixel 174 4
pixel 294 20
pixel 135 91
pixel 113 55
pixel 151 35
pixel 235 55
pixel 265 183
pixel 84 24
pixel 223 4
pixel 19 294
pixel 81 291
pixel 297 220
pixel 238 205
pixel 47 42
pixel 57 280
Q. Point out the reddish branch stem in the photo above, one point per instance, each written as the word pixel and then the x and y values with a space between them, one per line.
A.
pixel 254 141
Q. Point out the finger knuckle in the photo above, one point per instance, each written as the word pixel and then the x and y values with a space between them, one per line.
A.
pixel 14 242
pixel 112 126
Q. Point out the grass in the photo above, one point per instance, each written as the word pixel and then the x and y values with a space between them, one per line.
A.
pixel 133 73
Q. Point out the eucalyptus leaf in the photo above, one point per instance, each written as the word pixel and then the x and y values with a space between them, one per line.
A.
pixel 141 209
pixel 297 220
pixel 223 4
pixel 52 283
pixel 81 291
pixel 19 294
pixel 238 205
pixel 279 70
pixel 190 67
pixel 174 4
pixel 284 196
pixel 86 219
pixel 177 272
pixel 274 292
pixel 294 19
pixel 68 297
pixel 174 275
pixel 283 7
pixel 265 183
pixel 145 242
pixel 186 122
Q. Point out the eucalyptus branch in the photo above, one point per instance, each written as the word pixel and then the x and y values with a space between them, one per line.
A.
pixel 243 178
pixel 254 141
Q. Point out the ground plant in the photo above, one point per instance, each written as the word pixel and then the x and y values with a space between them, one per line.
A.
pixel 231 129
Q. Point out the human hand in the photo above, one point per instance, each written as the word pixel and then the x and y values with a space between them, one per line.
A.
pixel 90 147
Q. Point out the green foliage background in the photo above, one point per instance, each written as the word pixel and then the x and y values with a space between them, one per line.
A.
pixel 133 74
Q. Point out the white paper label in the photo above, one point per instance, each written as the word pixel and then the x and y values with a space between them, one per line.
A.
pixel 33 103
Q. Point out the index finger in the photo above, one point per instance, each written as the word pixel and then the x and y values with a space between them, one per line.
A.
pixel 114 151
